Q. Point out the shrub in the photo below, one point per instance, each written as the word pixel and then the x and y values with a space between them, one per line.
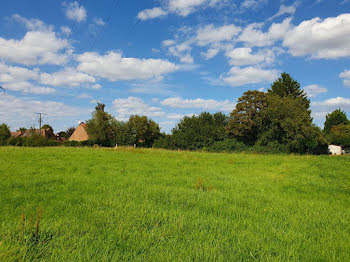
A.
pixel 34 140
pixel 228 145
pixel 166 142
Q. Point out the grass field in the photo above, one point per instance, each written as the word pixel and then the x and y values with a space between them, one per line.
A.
pixel 84 204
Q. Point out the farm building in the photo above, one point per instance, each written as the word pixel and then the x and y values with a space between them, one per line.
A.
pixel 45 132
pixel 80 134
pixel 336 150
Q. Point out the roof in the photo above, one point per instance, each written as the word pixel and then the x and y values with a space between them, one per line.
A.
pixel 80 134
pixel 16 134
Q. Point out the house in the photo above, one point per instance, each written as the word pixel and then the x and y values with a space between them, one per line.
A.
pixel 336 150
pixel 45 132
pixel 80 134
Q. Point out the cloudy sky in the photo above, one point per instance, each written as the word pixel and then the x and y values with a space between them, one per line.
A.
pixel 166 58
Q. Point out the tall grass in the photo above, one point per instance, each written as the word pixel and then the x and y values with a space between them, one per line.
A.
pixel 84 204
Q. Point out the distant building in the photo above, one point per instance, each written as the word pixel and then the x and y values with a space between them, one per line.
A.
pixel 45 132
pixel 336 150
pixel 80 134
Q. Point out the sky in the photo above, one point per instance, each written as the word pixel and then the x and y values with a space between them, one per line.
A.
pixel 166 59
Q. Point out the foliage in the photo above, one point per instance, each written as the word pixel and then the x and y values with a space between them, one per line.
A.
pixel 243 124
pixel 286 86
pixel 34 140
pixel 100 127
pixel 21 129
pixel 125 134
pixel 227 145
pixel 146 130
pixel 166 142
pixel 196 132
pixel 335 118
pixel 286 122
pixel 5 134
pixel 69 132
pixel 340 135
pixel 46 126
pixel 143 205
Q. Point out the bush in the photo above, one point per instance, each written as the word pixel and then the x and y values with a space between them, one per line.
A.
pixel 270 148
pixel 228 145
pixel 78 144
pixel 166 142
pixel 34 140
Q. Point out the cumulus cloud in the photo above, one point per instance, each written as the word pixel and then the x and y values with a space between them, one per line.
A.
pixel 210 34
pixel 74 11
pixel 114 67
pixel 346 77
pixel 253 35
pixel 36 47
pixel 151 13
pixel 244 56
pixel 28 87
pixel 206 104
pixel 252 3
pixel 320 38
pixel 126 107
pixel 285 10
pixel 67 77
pixel 32 24
pixel 314 90
pixel 321 108
pixel 249 75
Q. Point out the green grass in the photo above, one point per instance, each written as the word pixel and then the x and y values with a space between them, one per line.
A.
pixel 83 204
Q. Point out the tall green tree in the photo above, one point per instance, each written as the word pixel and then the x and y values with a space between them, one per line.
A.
pixel 287 123
pixel 286 86
pixel 196 132
pixel 147 131
pixel 243 124
pixel 335 118
pixel 101 126
pixel 5 134
pixel 340 135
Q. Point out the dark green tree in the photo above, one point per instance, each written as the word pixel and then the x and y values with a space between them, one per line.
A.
pixel 21 129
pixel 287 123
pixel 335 118
pixel 286 86
pixel 340 135
pixel 69 132
pixel 5 134
pixel 201 131
pixel 243 124
pixel 100 127
pixel 46 126
pixel 147 131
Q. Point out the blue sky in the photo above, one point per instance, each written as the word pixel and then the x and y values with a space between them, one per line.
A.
pixel 166 58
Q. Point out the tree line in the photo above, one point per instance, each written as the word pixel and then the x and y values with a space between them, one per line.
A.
pixel 278 120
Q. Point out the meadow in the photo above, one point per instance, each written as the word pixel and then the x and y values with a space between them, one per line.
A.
pixel 86 204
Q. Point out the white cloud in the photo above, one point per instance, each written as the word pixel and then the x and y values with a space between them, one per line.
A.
pixel 253 35
pixel 206 104
pixel 210 53
pixel 99 21
pixel 151 13
pixel 74 11
pixel 36 47
pixel 14 73
pixel 126 107
pixel 27 87
pixel 249 75
pixel 65 30
pixel 249 4
pixel 168 42
pixel 210 34
pixel 314 90
pixel 346 77
pixel 285 10
pixel 244 56
pixel 322 108
pixel 33 24
pixel 20 112
pixel 320 38
pixel 114 67
pixel 67 77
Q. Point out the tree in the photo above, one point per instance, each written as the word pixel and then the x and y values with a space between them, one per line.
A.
pixel 337 117
pixel 286 86
pixel 340 135
pixel 21 129
pixel 125 135
pixel 286 122
pixel 100 126
pixel 147 131
pixel 243 123
pixel 5 134
pixel 201 131
pixel 46 126
pixel 69 132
